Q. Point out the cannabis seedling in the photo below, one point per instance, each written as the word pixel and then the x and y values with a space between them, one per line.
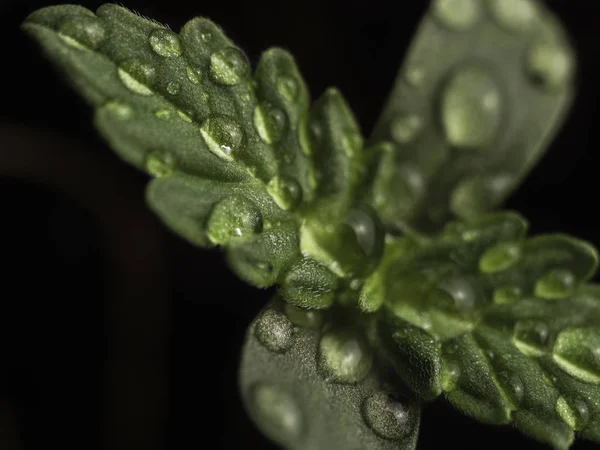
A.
pixel 397 284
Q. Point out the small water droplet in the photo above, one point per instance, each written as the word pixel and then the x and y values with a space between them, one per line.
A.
pixel 509 294
pixel 514 15
pixel 165 43
pixel 531 337
pixel 557 283
pixel 455 295
pixel 233 218
pixel 512 386
pixel 274 331
pixel 344 357
pixel 471 108
pixel 577 352
pixel 302 317
pixel 269 122
pixel 549 64
pixel 405 128
pixel 286 192
pixel 164 114
pixel 158 166
pixel 228 66
pixel 287 86
pixel 459 15
pixel 118 110
pixel 575 413
pixel 136 76
pixel 193 74
pixel 277 412
pixel 222 135
pixel 173 87
pixel 500 257
pixel 82 32
pixel 389 417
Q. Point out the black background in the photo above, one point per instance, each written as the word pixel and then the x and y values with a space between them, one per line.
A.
pixel 61 277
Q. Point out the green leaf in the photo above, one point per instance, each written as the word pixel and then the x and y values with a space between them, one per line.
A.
pixel 319 387
pixel 454 138
pixel 240 160
pixel 496 321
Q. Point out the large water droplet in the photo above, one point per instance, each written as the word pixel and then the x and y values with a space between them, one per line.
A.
pixel 477 195
pixel 302 317
pixel 557 283
pixel 274 331
pixel 455 295
pixel 233 218
pixel 471 108
pixel 531 337
pixel 577 352
pixel 228 66
pixel 136 76
pixel 165 43
pixel 193 74
pixel 286 192
pixel 344 357
pixel 512 386
pixel 82 32
pixel 277 412
pixel 158 166
pixel 509 294
pixel 574 412
pixel 387 416
pixel 549 64
pixel 515 15
pixel 173 87
pixel 222 135
pixel 287 86
pixel 269 121
pixel 457 15
pixel 405 128
pixel 500 257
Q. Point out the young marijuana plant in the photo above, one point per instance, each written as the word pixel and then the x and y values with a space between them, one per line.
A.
pixel 397 282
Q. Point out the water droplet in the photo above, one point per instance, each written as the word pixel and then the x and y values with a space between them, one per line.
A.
pixel 405 128
pixel 575 413
pixel 119 110
pixel 183 116
pixel 173 87
pixel 456 295
pixel 286 192
pixel 277 412
pixel 164 114
pixel 165 43
pixel 222 135
pixel 531 337
pixel 159 167
pixel 206 36
pixel 274 331
pixel 512 386
pixel 500 257
pixel 577 352
pixel 228 66
pixel 344 357
pixel 471 108
pixel 193 74
pixel 505 295
pixel 269 122
pixel 557 283
pixel 136 76
pixel 82 32
pixel 478 194
pixel 514 15
pixel 457 15
pixel 549 64
pixel 387 416
pixel 287 86
pixel 302 317
pixel 233 218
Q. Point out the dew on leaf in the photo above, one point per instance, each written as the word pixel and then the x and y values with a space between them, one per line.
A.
pixel 269 122
pixel 165 43
pixel 136 76
pixel 302 317
pixel 500 257
pixel 575 413
pixel 193 74
pixel 277 412
pixel 285 191
pixel 119 110
pixel 159 166
pixel 514 15
pixel 228 66
pixel 531 337
pixel 577 352
pixel 455 295
pixel 475 196
pixel 222 135
pixel 183 116
pixel 549 64
pixel 82 32
pixel 471 108
pixel 233 218
pixel 163 114
pixel 404 128
pixel 344 357
pixel 173 87
pixel 388 417
pixel 275 331
pixel 287 86
pixel 557 283
pixel 512 386
pixel 457 15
